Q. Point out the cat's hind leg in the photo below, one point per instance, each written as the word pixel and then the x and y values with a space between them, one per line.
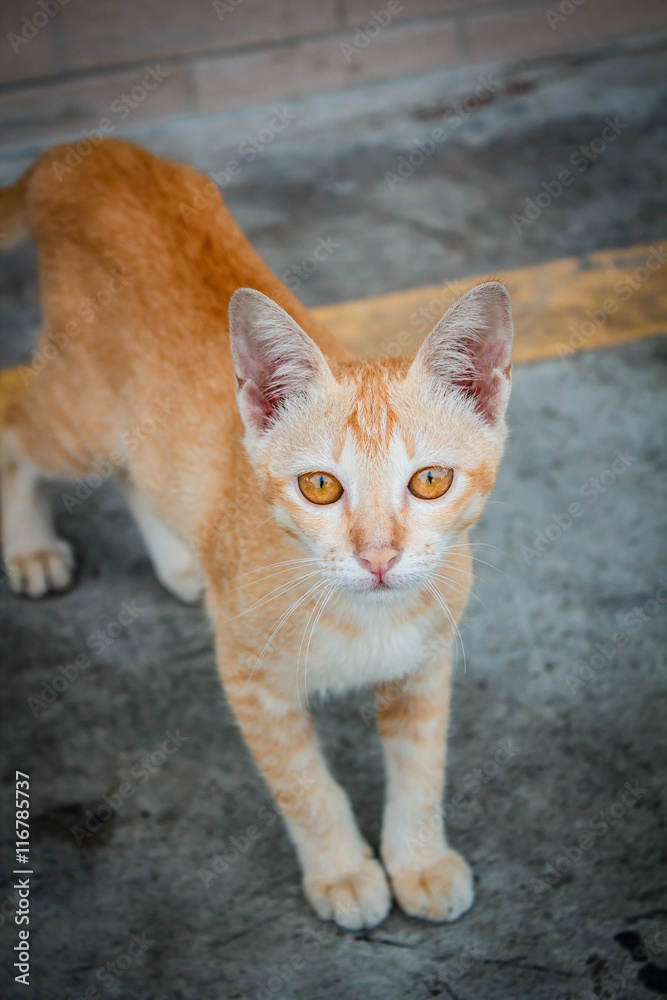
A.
pixel 50 432
pixel 175 563
pixel 36 558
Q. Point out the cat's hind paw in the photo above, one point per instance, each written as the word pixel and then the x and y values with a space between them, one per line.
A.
pixel 42 571
pixel 355 901
pixel 442 892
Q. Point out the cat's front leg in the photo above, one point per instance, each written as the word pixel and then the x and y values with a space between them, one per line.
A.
pixel 429 879
pixel 341 879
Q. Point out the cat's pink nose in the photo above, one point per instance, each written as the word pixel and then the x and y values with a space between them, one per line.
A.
pixel 378 561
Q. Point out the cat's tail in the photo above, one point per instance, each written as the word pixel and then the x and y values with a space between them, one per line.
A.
pixel 14 227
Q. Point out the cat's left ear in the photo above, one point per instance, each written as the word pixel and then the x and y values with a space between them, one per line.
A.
pixel 274 360
pixel 470 350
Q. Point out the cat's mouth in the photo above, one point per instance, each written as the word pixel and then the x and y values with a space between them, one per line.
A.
pixel 375 588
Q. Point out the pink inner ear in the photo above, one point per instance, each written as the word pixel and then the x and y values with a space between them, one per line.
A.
pixel 482 357
pixel 275 361
pixel 251 370
pixel 491 354
pixel 259 405
pixel 482 389
pixel 265 390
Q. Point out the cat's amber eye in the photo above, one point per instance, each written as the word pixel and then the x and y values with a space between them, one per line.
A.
pixel 431 483
pixel 320 487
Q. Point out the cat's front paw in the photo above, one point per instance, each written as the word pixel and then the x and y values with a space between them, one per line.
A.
pixel 359 900
pixel 184 582
pixel 441 892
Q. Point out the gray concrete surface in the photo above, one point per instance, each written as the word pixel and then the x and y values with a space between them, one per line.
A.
pixel 548 729
pixel 573 747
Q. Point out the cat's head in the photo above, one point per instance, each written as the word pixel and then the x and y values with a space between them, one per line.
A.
pixel 375 467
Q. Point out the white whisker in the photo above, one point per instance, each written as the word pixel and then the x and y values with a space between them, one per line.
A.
pixel 285 562
pixel 327 595
pixel 491 566
pixel 475 545
pixel 487 545
pixel 298 659
pixel 270 576
pixel 467 546
pixel 458 586
pixel 443 604
pixel 283 619
pixel 283 588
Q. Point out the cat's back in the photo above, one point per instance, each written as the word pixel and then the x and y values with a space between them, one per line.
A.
pixel 115 207
pixel 117 204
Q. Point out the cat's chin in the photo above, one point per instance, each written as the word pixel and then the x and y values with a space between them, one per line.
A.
pixel 383 593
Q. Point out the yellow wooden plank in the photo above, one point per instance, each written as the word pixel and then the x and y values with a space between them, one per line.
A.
pixel 562 306
pixel 11 382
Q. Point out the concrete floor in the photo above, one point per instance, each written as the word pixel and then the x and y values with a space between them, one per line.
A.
pixel 558 726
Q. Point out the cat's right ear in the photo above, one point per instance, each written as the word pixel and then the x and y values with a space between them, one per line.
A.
pixel 275 362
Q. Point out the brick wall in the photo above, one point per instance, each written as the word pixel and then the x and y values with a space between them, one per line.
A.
pixel 68 64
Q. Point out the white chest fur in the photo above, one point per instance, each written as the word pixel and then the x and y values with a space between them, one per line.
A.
pixel 381 648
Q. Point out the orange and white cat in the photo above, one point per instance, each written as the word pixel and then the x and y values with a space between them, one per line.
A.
pixel 321 502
